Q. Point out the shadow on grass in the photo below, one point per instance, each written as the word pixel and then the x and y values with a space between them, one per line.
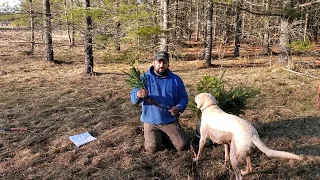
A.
pixel 62 62
pixel 279 169
pixel 298 130
pixel 108 73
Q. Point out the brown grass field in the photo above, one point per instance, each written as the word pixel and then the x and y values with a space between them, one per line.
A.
pixel 55 101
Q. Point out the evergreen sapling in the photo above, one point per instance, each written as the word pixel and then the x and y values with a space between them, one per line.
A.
pixel 136 79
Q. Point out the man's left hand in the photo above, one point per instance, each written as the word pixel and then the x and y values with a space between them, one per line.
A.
pixel 174 110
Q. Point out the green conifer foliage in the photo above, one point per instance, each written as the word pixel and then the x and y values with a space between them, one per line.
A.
pixel 231 100
pixel 136 79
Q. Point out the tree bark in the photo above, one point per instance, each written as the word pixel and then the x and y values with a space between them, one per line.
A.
pixel 238 32
pixel 204 25
pixel 214 24
pixel 73 31
pixel 315 33
pixel 155 23
pixel 266 48
pixel 189 15
pixel 305 28
pixel 164 39
pixel 47 31
pixel 197 20
pixel 228 26
pixel 32 27
pixel 208 42
pixel 117 36
pixel 285 52
pixel 175 24
pixel 88 40
pixel 117 30
pixel 67 21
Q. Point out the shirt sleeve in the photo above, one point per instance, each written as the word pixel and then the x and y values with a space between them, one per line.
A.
pixel 134 98
pixel 183 96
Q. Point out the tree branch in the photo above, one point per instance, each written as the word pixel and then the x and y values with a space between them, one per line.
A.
pixel 265 13
pixel 301 74
pixel 309 3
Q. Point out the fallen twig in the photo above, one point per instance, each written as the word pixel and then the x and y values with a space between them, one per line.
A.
pixel 302 74
pixel 13 129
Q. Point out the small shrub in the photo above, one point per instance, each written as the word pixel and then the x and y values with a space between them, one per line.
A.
pixel 232 101
pixel 125 56
pixel 103 41
pixel 300 46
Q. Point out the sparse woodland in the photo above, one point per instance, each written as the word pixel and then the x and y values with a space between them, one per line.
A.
pixel 61 73
pixel 140 28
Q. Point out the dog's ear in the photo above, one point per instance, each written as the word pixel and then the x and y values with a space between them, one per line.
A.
pixel 198 100
pixel 215 100
pixel 211 98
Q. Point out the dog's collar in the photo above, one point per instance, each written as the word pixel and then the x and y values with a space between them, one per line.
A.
pixel 207 107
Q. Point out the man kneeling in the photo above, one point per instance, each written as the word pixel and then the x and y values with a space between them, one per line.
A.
pixel 163 99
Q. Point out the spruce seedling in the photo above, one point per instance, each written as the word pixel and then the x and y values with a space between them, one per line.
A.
pixel 136 79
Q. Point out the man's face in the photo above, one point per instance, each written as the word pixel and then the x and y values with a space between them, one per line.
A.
pixel 161 66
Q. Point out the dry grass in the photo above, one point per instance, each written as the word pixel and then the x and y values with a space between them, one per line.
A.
pixel 56 101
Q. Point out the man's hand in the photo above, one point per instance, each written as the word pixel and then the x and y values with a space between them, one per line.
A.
pixel 142 93
pixel 174 110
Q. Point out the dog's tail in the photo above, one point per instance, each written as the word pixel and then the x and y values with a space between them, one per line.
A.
pixel 273 153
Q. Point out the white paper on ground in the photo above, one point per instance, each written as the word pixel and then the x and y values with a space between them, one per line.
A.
pixel 81 139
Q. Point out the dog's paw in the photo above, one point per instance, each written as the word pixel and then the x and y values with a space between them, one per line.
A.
pixel 195 159
pixel 245 172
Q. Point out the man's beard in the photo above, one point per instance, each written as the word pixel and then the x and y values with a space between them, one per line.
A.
pixel 162 73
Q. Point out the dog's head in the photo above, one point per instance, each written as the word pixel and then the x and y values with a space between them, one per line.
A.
pixel 204 99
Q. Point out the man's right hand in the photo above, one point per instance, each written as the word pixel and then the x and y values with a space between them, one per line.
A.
pixel 142 93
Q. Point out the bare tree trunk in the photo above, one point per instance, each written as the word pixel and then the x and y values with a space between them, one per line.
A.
pixel 73 31
pixel 238 32
pixel 67 21
pixel 189 21
pixel 314 25
pixel 208 42
pixel 164 39
pixel 197 21
pixel 266 48
pixel 315 30
pixel 228 27
pixel 117 31
pixel 203 24
pixel 204 27
pixel 48 31
pixel 117 36
pixel 285 52
pixel 214 31
pixel 175 24
pixel 32 27
pixel 88 41
pixel 155 21
pixel 305 28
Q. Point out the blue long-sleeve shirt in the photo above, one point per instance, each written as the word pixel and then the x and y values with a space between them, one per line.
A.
pixel 167 91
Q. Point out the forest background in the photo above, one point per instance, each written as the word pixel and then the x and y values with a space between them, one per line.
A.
pixel 62 64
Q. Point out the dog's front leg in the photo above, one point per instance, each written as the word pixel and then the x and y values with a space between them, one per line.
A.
pixel 226 154
pixel 202 143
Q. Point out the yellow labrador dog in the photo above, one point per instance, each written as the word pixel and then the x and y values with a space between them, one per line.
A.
pixel 232 131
